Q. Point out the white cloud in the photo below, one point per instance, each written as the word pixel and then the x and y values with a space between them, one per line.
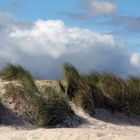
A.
pixel 44 45
pixel 92 8
pixel 135 59
pixel 100 7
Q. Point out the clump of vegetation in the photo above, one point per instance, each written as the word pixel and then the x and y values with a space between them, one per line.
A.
pixel 49 107
pixel 134 83
pixel 84 97
pixel 132 106
pixel 103 90
pixel 29 103
pixel 114 88
pixel 20 102
pixel 122 96
pixel 55 110
pixel 94 76
pixel 92 80
pixel 71 77
pixel 82 89
pixel 14 72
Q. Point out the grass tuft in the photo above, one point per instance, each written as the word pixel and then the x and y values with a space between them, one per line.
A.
pixel 71 77
pixel 28 102
pixel 55 110
pixel 84 97
pixel 14 72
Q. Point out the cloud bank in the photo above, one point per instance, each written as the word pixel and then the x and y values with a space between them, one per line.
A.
pixel 44 45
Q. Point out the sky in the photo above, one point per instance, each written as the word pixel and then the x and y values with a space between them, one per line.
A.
pixel 42 35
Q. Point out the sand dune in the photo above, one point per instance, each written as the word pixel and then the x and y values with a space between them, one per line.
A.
pixel 103 126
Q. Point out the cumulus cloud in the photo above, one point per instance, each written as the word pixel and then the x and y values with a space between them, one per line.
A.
pixel 129 22
pixel 135 59
pixel 44 45
pixel 93 8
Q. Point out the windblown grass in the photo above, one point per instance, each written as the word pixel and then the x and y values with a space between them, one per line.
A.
pixel 14 72
pixel 56 108
pixel 71 77
pixel 109 91
pixel 89 91
pixel 82 89
pixel 29 103
pixel 92 80
pixel 134 83
pixel 20 102
pixel 42 112
pixel 124 97
pixel 113 87
pixel 84 97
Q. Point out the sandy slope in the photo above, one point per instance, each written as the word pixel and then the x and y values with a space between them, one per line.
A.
pixel 104 126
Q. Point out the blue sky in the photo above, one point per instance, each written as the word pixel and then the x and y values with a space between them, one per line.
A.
pixel 117 19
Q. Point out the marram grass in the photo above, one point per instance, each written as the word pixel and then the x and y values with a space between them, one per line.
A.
pixel 89 91
pixel 28 102
pixel 71 77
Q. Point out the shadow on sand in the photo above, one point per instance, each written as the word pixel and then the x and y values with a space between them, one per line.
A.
pixel 10 118
pixel 116 118
pixel 7 117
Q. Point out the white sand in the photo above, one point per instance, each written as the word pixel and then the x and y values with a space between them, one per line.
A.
pixel 7 133
pixel 105 126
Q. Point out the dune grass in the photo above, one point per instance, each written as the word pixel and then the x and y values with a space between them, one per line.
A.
pixel 49 107
pixel 123 95
pixel 84 97
pixel 109 91
pixel 14 72
pixel 28 100
pixel 71 77
pixel 20 103
pixel 114 88
pixel 83 89
pixel 57 108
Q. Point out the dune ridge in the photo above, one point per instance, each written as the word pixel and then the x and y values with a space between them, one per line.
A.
pixel 103 126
